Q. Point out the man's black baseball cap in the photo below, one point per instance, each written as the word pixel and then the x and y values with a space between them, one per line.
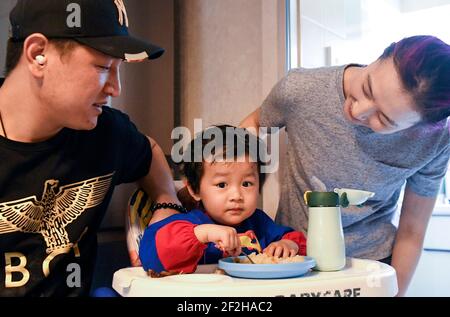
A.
pixel 99 24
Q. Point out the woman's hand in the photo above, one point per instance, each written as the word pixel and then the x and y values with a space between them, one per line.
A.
pixel 282 248
pixel 225 238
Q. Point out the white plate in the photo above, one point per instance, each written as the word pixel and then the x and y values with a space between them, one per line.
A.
pixel 266 271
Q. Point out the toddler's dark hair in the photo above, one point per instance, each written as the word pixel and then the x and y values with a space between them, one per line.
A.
pixel 234 142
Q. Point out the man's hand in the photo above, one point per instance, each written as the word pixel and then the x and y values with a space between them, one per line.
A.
pixel 282 248
pixel 225 238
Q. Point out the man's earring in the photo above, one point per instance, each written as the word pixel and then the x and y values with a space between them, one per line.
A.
pixel 40 59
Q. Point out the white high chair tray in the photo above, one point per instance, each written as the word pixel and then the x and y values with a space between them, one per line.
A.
pixel 359 278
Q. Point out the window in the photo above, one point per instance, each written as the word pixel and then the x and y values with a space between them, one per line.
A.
pixel 339 32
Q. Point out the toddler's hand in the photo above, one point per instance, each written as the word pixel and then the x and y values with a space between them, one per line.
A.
pixel 282 248
pixel 225 238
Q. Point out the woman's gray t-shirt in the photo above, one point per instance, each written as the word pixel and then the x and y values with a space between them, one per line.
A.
pixel 322 143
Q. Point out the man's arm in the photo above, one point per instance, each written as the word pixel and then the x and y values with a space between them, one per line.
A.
pixel 158 183
pixel 415 214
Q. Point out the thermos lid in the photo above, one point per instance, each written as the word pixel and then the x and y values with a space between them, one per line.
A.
pixel 322 199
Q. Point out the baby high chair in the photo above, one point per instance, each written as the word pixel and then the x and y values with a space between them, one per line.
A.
pixel 137 219
pixel 359 278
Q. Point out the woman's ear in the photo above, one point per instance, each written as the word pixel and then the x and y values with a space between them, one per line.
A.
pixel 192 193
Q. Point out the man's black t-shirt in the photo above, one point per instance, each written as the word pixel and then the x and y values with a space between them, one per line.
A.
pixel 53 196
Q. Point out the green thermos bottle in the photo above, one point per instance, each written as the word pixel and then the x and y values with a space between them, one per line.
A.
pixel 325 241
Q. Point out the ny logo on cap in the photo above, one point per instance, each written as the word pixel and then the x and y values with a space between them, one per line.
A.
pixel 122 12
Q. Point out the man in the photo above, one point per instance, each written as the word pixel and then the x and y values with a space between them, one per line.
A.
pixel 62 149
pixel 373 128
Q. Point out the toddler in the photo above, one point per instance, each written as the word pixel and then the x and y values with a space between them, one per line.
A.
pixel 226 221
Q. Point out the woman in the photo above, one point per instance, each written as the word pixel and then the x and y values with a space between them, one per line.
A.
pixel 376 128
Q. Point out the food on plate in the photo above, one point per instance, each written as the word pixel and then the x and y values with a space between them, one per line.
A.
pixel 154 274
pixel 220 271
pixel 263 258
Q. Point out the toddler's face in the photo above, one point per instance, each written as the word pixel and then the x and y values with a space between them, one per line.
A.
pixel 229 191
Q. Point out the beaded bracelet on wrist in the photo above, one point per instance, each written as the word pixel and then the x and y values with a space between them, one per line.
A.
pixel 156 206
